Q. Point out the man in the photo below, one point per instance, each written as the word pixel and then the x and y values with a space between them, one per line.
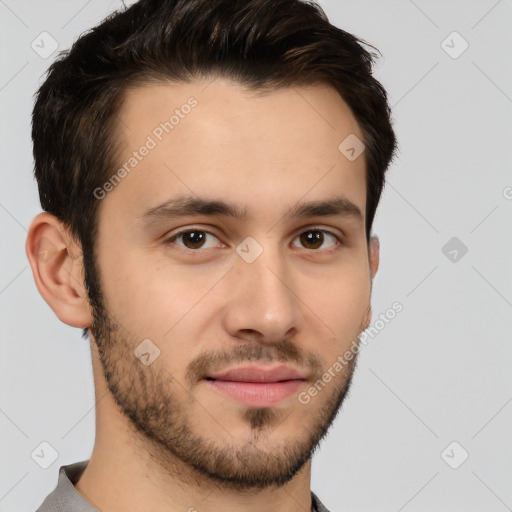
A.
pixel 209 171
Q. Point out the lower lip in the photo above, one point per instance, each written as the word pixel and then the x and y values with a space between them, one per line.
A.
pixel 257 394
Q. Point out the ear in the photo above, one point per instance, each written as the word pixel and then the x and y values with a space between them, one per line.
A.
pixel 373 259
pixel 374 255
pixel 56 262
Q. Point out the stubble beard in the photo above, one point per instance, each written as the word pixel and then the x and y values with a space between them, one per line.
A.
pixel 149 397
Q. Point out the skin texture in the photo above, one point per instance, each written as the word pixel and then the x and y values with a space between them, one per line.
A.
pixel 165 440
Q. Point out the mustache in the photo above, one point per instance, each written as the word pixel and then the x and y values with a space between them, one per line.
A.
pixel 284 351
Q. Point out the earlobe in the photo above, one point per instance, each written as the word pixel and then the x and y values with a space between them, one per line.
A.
pixel 367 318
pixel 56 262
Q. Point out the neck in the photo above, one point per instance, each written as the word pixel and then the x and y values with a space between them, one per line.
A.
pixel 118 480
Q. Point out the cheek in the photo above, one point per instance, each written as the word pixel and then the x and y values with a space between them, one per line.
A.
pixel 341 301
pixel 155 299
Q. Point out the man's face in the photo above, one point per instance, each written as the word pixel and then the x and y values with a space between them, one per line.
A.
pixel 271 290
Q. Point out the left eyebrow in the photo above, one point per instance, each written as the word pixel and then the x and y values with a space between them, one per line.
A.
pixel 185 206
pixel 340 206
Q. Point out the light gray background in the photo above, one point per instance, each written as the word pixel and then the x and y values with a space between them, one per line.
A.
pixel 439 372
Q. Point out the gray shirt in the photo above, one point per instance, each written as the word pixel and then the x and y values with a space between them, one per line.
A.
pixel 65 498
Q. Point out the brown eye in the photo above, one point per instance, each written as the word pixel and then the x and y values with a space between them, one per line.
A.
pixel 193 239
pixel 315 238
pixel 312 239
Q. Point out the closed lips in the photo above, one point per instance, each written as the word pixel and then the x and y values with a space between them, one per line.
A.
pixel 259 374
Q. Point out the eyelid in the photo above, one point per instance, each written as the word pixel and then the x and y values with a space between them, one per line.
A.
pixel 318 227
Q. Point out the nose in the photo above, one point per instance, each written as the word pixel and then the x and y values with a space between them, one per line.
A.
pixel 264 306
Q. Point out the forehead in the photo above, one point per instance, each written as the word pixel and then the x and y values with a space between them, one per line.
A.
pixel 217 139
pixel 319 108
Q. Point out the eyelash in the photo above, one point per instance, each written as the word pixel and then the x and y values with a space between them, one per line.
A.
pixel 172 239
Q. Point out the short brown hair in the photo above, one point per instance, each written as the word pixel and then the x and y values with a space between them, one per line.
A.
pixel 261 44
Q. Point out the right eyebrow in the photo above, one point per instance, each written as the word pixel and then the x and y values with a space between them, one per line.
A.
pixel 186 206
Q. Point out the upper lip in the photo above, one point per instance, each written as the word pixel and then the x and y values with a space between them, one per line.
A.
pixel 254 373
